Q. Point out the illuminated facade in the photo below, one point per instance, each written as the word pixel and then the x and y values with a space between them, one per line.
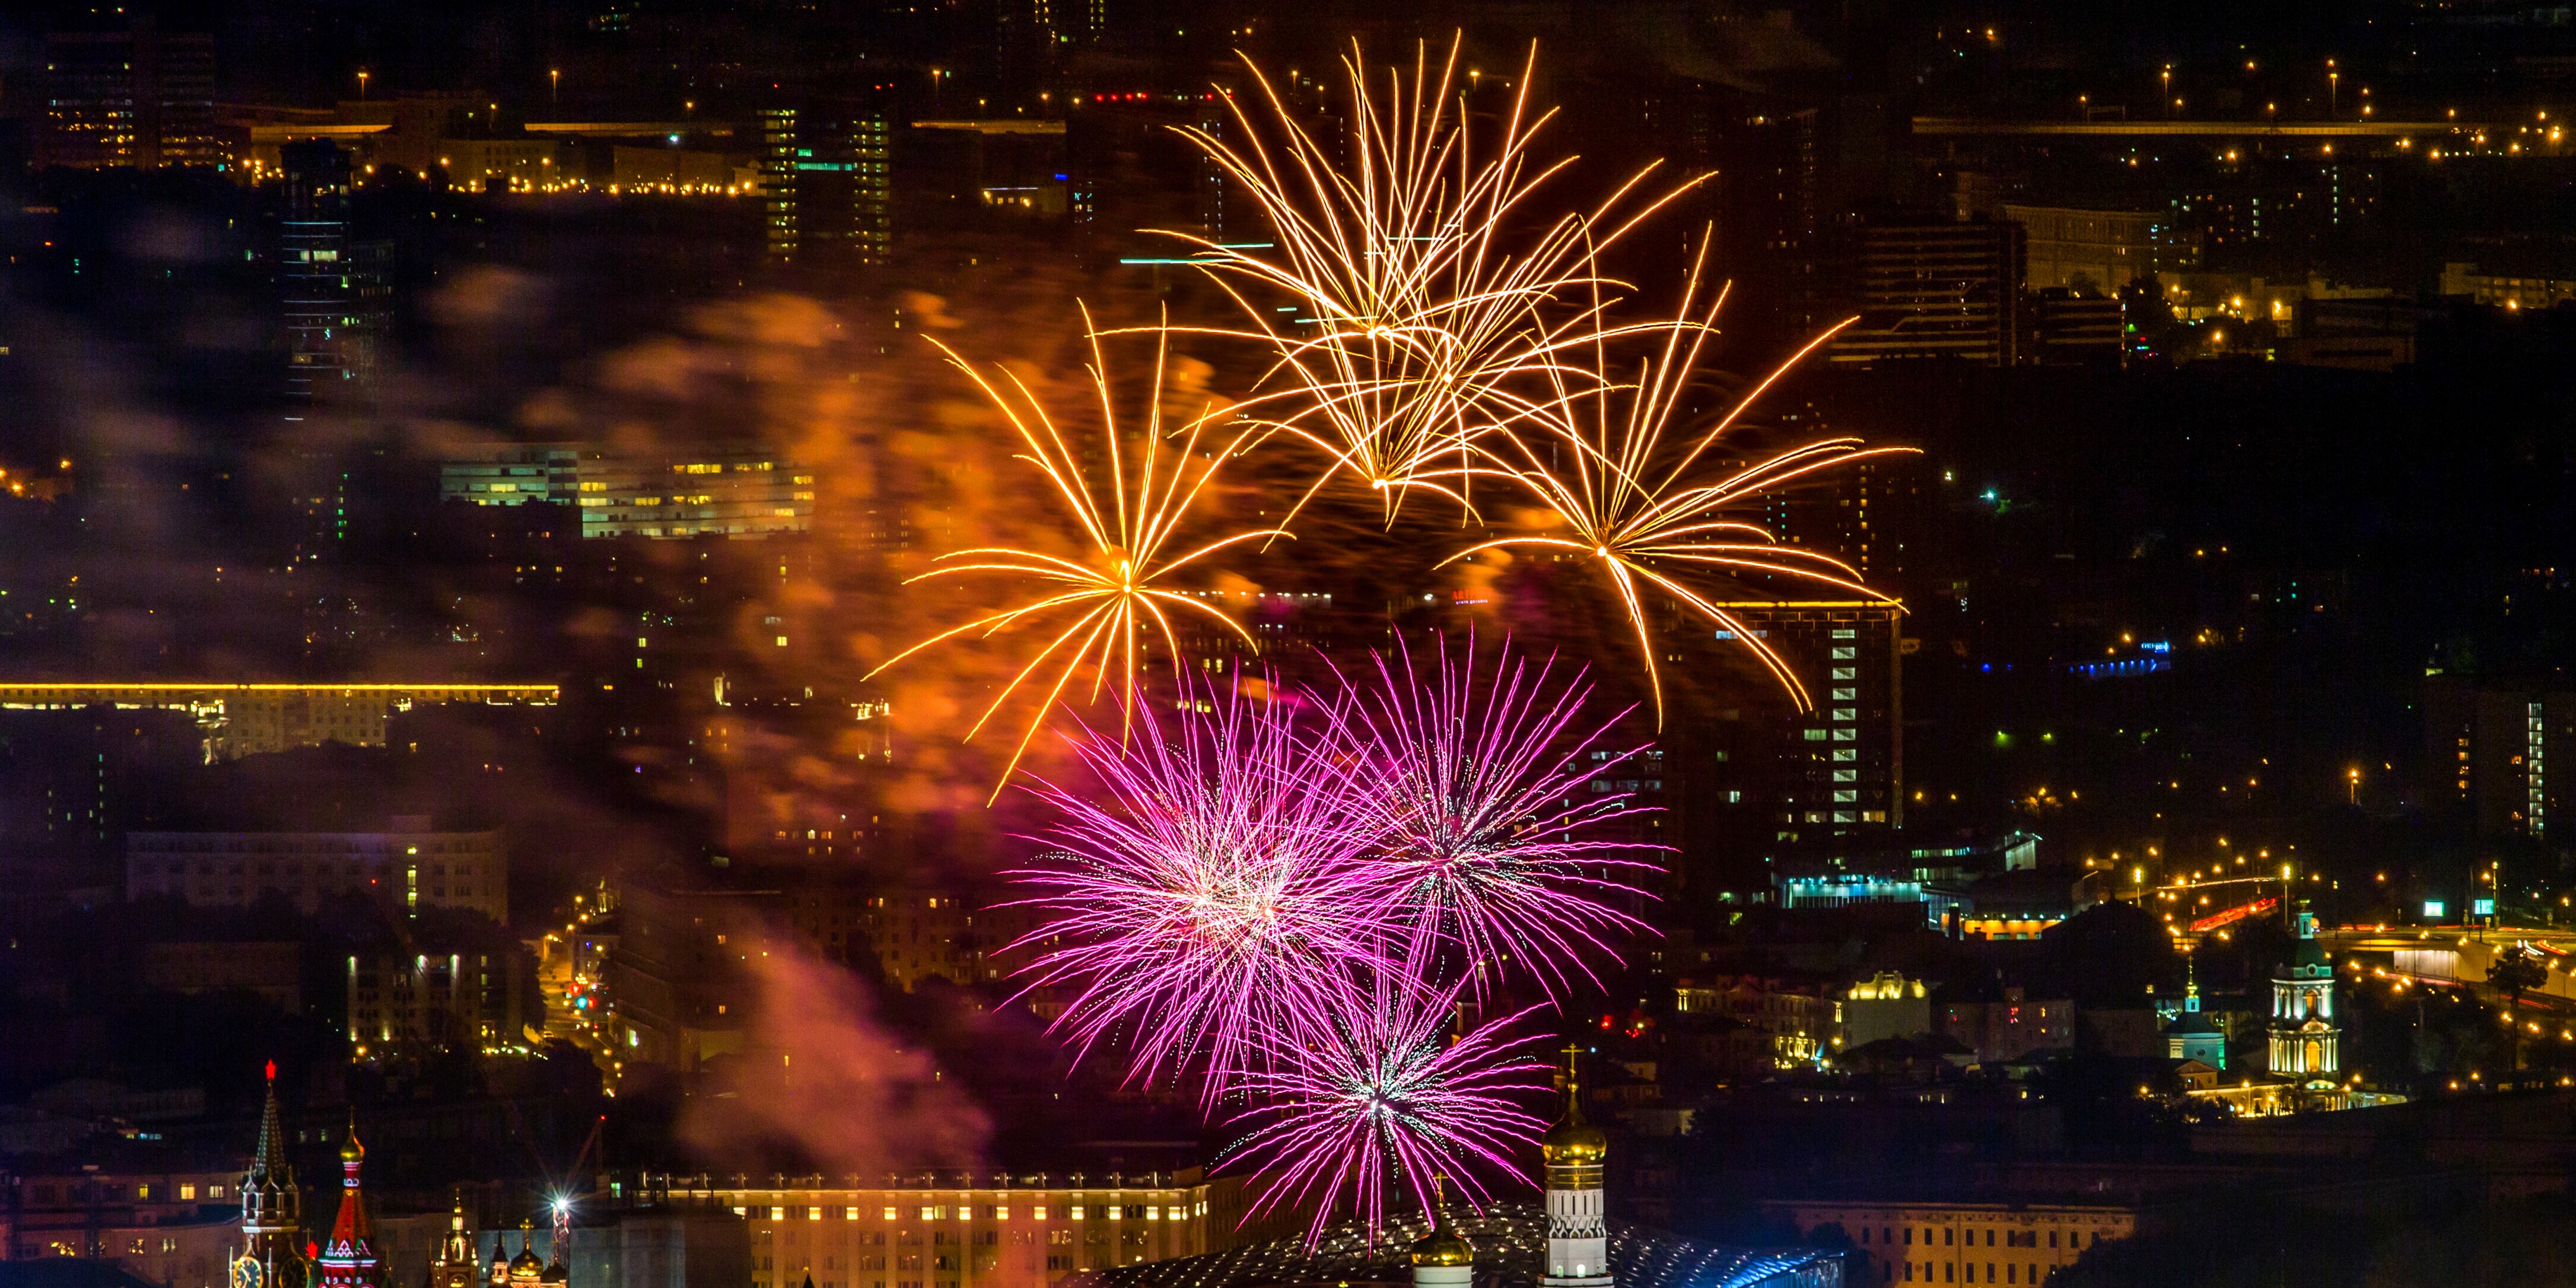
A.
pixel 2304 1033
pixel 730 493
pixel 1886 1005
pixel 826 183
pixel 1954 1243
pixel 956 1231
pixel 455 1265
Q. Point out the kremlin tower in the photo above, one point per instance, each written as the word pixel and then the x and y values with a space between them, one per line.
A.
pixel 272 1204
pixel 348 1257
pixel 1578 1243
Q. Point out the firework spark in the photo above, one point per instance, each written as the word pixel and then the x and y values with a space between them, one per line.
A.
pixel 1602 467
pixel 1417 310
pixel 1380 1093
pixel 1115 601
pixel 1474 796
pixel 1209 893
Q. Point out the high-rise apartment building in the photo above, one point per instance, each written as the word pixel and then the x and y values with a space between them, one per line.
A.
pixel 1934 287
pixel 826 183
pixel 1838 766
pixel 141 98
pixel 336 294
pixel 2487 751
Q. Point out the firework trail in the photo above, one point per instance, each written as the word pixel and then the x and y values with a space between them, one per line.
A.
pixel 1379 1092
pixel 1209 894
pixel 1112 603
pixel 1476 798
pixel 1599 462
pixel 1415 310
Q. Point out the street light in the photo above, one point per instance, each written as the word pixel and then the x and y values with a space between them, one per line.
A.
pixel 554 84
pixel 362 84
pixel 2353 779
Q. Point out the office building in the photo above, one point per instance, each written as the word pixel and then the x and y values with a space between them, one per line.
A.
pixel 405 868
pixel 1929 287
pixel 140 99
pixel 826 183
pixel 2089 252
pixel 1961 1243
pixel 2069 329
pixel 734 492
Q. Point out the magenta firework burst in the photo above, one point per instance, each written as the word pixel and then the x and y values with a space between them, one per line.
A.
pixel 1381 1096
pixel 1492 851
pixel 1211 893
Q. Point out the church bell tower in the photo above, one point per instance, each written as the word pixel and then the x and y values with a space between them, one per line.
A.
pixel 1578 1242
pixel 2304 1034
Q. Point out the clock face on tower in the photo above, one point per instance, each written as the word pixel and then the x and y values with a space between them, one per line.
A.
pixel 245 1273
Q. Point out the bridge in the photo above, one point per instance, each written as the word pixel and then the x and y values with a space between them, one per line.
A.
pixel 1963 125
pixel 2461 955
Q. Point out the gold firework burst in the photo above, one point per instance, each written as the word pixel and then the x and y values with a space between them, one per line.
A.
pixel 1626 502
pixel 1100 611
pixel 1416 310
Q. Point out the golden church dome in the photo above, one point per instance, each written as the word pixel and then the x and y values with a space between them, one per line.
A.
pixel 1443 1247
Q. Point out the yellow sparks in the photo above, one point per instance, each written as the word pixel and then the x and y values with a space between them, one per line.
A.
pixel 1112 598
pixel 1623 507
pixel 1397 302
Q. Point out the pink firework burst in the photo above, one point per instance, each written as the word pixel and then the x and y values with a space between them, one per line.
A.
pixel 1381 1097
pixel 1212 892
pixel 1486 833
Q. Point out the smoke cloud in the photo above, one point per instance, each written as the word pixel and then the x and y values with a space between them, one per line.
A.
pixel 822 1083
